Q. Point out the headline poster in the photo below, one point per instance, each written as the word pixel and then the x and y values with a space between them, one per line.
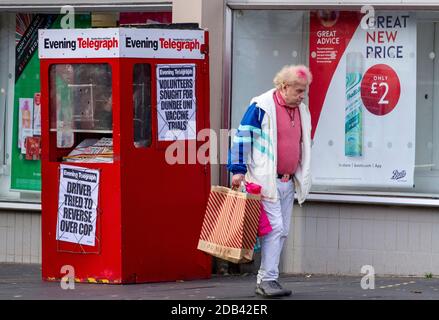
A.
pixel 363 98
pixel 77 205
pixel 176 102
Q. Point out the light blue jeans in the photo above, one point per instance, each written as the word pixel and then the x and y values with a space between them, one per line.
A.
pixel 279 213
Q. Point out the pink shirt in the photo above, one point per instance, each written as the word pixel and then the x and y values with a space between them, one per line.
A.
pixel 289 134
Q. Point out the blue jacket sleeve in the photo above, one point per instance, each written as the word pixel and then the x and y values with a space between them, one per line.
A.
pixel 242 143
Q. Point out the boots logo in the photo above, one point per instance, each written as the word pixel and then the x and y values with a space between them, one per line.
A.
pixel 397 175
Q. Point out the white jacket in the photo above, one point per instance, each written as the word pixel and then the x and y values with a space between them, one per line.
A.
pixel 263 167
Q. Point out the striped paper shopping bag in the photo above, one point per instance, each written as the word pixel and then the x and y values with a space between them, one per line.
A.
pixel 230 224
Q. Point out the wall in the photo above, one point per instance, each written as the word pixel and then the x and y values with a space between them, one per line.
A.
pixel 340 238
pixel 324 239
pixel 186 11
pixel 20 237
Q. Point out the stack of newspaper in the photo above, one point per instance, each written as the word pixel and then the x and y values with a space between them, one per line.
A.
pixel 92 150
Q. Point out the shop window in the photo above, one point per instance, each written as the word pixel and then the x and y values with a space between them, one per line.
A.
pixel 142 105
pixel 8 92
pixel 4 72
pixel 398 127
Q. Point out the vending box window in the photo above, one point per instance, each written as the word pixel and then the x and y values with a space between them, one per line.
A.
pixel 113 102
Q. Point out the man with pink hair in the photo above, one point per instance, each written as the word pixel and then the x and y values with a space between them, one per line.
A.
pixel 272 148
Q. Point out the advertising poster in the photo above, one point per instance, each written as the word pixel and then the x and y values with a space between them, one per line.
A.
pixel 176 102
pixel 77 205
pixel 37 114
pixel 26 167
pixel 363 98
pixel 25 120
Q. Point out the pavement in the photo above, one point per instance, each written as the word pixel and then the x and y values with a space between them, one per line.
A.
pixel 23 282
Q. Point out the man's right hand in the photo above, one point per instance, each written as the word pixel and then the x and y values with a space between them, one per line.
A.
pixel 237 179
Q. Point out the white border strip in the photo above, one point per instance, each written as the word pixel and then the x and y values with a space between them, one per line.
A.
pixel 313 5
pixel 132 7
pixel 20 206
pixel 368 199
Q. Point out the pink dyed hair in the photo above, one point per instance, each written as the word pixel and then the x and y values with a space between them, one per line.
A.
pixel 301 74
pixel 291 74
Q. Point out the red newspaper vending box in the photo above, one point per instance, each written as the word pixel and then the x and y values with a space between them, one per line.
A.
pixel 122 202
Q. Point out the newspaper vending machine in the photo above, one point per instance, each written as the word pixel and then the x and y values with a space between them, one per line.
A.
pixel 117 105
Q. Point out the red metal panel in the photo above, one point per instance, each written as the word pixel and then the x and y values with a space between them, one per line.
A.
pixel 102 262
pixel 164 204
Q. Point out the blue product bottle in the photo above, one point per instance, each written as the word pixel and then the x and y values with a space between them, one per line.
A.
pixel 354 105
pixel 257 247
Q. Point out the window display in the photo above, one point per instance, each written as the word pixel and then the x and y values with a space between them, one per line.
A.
pixel 390 89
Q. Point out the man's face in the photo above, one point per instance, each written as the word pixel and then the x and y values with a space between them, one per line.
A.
pixel 294 93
